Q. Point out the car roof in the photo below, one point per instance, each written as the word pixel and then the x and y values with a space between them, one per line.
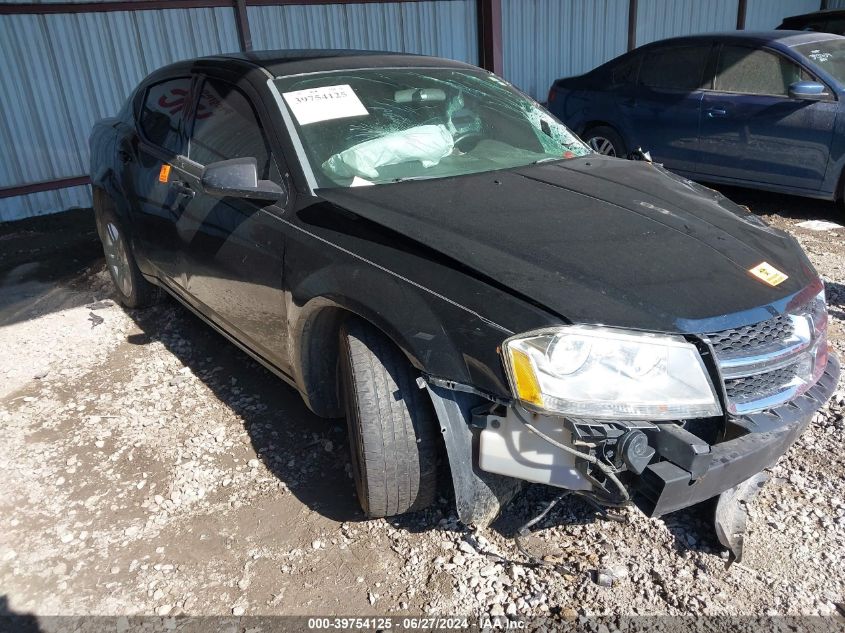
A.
pixel 297 61
pixel 826 13
pixel 786 39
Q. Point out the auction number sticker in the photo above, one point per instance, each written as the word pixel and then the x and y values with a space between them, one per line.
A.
pixel 324 104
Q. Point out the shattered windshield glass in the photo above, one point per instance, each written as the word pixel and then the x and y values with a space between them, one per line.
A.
pixel 374 126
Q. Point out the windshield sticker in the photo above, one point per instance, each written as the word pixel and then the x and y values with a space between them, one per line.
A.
pixel 768 273
pixel 324 104
pixel 818 56
pixel 360 182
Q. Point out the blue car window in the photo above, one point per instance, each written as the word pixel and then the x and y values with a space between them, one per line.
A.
pixel 626 73
pixel 753 71
pixel 829 55
pixel 676 68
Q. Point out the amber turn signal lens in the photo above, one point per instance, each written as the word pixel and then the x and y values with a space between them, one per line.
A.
pixel 164 173
pixel 528 389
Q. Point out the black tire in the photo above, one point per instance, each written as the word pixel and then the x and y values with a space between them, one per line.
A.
pixel 596 137
pixel 138 292
pixel 392 426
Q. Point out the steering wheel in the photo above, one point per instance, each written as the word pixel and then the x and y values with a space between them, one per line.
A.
pixel 468 140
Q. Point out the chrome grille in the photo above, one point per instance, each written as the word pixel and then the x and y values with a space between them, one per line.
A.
pixel 767 363
pixel 757 386
pixel 753 339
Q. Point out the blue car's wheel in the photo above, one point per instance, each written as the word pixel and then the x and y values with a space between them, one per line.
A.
pixel 605 140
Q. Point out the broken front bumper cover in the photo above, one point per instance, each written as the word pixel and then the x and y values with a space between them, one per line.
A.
pixel 693 471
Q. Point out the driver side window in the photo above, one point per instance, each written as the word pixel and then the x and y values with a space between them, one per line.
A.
pixel 752 71
pixel 226 126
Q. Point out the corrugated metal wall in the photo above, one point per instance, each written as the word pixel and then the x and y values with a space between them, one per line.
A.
pixel 62 72
pixel 767 14
pixel 658 19
pixel 445 29
pixel 546 39
pixel 835 4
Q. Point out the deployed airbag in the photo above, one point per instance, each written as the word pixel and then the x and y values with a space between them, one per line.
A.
pixel 425 143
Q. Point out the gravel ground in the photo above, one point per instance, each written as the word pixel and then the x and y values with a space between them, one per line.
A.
pixel 149 467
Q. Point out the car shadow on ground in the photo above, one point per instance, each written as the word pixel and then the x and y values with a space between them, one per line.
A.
pixel 309 454
pixel 41 262
pixel 11 620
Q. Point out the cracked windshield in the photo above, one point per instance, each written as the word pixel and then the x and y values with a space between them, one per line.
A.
pixel 369 127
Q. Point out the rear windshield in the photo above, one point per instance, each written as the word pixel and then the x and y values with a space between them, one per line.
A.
pixel 376 126
pixel 829 55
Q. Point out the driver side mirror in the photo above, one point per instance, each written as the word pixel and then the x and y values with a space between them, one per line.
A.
pixel 238 178
pixel 807 91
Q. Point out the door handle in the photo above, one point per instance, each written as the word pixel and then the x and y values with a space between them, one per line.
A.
pixel 182 189
pixel 124 156
pixel 716 112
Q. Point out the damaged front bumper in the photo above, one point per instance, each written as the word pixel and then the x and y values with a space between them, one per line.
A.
pixel 692 471
pixel 684 470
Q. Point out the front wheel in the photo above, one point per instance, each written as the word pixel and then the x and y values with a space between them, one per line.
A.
pixel 392 424
pixel 605 140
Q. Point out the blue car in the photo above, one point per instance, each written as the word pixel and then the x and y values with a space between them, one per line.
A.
pixel 761 110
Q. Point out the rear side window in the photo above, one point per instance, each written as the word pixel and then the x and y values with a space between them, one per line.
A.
pixel 754 71
pixel 679 68
pixel 162 112
pixel 625 73
pixel 226 126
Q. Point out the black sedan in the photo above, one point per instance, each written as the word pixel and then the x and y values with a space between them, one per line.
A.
pixel 412 243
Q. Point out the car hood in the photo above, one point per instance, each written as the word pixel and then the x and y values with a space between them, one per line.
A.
pixel 597 240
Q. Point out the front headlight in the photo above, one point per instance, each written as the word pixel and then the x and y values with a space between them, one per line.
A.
pixel 591 371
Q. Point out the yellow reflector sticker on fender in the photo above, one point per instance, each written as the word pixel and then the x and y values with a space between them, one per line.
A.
pixel 768 273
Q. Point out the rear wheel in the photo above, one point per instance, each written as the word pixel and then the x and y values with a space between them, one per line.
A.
pixel 605 140
pixel 391 422
pixel 133 290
